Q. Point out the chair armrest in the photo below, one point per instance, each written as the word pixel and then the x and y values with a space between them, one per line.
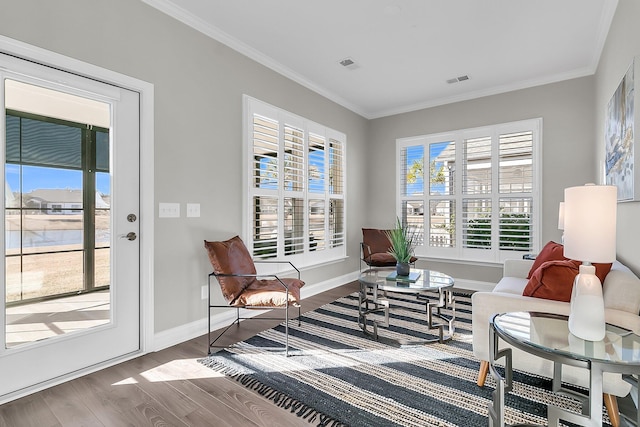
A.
pixel 363 245
pixel 257 276
pixel 517 268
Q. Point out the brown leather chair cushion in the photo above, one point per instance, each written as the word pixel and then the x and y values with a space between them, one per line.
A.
pixel 375 241
pixel 270 293
pixel 381 260
pixel 231 257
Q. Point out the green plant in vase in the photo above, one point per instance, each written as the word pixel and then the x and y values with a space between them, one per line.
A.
pixel 403 242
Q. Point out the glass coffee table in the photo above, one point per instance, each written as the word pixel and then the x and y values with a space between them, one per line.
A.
pixel 376 282
pixel 547 336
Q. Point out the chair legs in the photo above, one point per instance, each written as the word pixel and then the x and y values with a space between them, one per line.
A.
pixel 482 373
pixel 610 401
pixel 237 322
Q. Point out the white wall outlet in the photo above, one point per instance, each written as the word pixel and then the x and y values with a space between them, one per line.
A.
pixel 204 292
pixel 193 210
pixel 169 210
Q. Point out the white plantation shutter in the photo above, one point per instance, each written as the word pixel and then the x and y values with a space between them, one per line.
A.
pixel 516 223
pixel 293 158
pixel 476 165
pixel 476 223
pixel 516 162
pixel 316 223
pixel 336 225
pixel 487 209
pixel 265 152
pixel 265 226
pixel 336 193
pixel 316 159
pixel 442 223
pixel 296 187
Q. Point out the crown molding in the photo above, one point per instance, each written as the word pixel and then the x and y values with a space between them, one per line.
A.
pixel 215 33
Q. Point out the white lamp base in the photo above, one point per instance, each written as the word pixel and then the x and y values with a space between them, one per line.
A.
pixel 586 320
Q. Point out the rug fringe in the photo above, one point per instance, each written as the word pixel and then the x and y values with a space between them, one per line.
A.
pixel 281 400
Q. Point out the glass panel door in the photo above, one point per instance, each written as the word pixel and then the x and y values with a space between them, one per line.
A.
pixel 71 166
pixel 57 227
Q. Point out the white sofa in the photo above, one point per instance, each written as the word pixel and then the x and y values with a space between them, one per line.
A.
pixel 621 290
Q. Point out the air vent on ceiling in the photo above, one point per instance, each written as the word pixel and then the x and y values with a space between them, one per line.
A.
pixel 348 63
pixel 458 79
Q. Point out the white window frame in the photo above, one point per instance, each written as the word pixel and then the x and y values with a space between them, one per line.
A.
pixel 310 256
pixel 458 252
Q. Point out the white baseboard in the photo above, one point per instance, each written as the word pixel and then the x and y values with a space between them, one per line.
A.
pixel 197 328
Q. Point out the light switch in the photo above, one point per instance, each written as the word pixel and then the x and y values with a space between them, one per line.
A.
pixel 193 210
pixel 169 210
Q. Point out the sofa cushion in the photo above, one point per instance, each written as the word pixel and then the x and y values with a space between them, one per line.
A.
pixel 621 289
pixel 553 251
pixel 511 285
pixel 553 280
pixel 231 257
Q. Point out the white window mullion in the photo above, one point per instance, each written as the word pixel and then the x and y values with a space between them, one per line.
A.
pixel 495 195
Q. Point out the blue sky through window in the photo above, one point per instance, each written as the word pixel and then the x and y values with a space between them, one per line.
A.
pixel 35 177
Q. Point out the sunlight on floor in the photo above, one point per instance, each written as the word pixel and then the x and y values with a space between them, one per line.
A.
pixel 45 319
pixel 175 370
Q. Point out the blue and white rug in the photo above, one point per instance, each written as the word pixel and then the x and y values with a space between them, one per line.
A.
pixel 335 375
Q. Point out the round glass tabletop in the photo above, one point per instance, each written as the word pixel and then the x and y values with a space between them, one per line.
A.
pixel 550 333
pixel 418 280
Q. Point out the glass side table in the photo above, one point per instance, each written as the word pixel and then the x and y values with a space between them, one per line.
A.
pixel 547 336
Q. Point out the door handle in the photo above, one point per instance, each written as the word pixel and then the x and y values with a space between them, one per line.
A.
pixel 129 236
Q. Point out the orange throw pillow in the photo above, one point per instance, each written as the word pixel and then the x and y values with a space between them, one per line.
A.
pixel 552 251
pixel 553 280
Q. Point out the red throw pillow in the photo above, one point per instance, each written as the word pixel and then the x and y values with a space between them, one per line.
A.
pixel 552 251
pixel 553 280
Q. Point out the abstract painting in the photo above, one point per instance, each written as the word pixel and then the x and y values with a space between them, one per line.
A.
pixel 619 139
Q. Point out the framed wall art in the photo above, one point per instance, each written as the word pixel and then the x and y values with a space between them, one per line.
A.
pixel 621 167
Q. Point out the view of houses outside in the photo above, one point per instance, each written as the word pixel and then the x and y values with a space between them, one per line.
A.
pixel 45 217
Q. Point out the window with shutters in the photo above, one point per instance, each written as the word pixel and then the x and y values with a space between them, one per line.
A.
pixel 488 208
pixel 295 186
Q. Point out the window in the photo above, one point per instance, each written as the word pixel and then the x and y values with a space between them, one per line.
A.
pixel 473 194
pixel 55 206
pixel 295 186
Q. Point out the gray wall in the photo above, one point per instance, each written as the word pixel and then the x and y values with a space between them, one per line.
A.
pixel 198 134
pixel 623 44
pixel 567 155
pixel 199 85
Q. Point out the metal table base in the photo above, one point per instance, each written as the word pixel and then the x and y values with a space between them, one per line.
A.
pixel 369 304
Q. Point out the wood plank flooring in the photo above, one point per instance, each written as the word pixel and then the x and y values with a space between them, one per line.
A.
pixel 165 388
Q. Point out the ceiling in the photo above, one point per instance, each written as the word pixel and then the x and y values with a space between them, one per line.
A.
pixel 405 51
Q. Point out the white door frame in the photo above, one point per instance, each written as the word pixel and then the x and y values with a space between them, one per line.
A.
pixel 147 212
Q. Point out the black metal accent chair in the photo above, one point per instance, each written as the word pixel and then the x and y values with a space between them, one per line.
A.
pixel 242 287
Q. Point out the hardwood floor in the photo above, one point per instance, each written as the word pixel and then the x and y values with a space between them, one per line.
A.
pixel 166 388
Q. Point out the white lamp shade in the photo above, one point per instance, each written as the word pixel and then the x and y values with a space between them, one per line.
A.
pixel 590 223
pixel 561 216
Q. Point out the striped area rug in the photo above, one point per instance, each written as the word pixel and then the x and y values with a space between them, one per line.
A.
pixel 336 375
